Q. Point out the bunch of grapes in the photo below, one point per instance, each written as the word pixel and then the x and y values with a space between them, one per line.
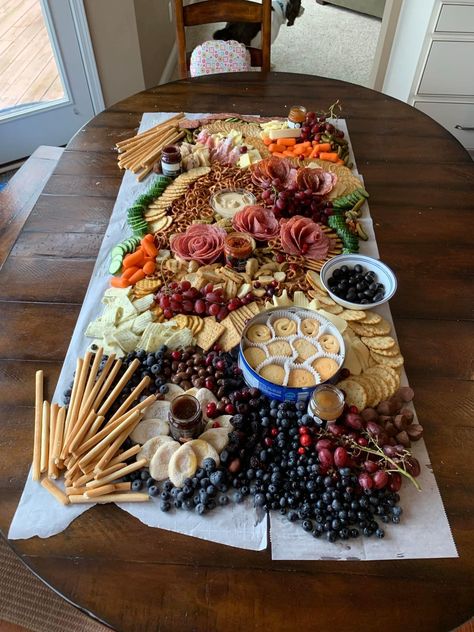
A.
pixel 182 298
pixel 316 126
pixel 289 201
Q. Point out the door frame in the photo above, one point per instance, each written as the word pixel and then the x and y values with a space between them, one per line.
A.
pixel 385 41
pixel 87 53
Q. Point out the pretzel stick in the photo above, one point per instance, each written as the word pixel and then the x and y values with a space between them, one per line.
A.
pixel 38 423
pixel 45 438
pixel 113 448
pixel 81 432
pixel 82 480
pixel 53 416
pixel 132 497
pixel 131 398
pixel 119 387
pixel 55 491
pixel 58 438
pixel 91 380
pixel 99 448
pixel 107 384
pixel 118 474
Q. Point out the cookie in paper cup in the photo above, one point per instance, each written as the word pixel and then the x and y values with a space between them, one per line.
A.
pixel 282 376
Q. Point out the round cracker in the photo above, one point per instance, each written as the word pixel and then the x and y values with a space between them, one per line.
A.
pixel 382 328
pixel 360 330
pixel 377 389
pixel 370 318
pixel 393 361
pixel 387 374
pixel 369 389
pixel 158 410
pixel 393 351
pixel 217 437
pixel 203 450
pixel 159 464
pixel 352 315
pixel 151 446
pixel 149 428
pixel 182 465
pixel 378 342
pixel 382 384
pixel 355 393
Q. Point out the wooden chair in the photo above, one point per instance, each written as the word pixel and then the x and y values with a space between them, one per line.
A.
pixel 211 11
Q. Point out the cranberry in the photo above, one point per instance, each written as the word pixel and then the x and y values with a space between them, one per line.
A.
pixel 209 383
pixel 301 451
pixel 268 441
pixel 303 430
pixel 211 409
pixel 216 424
pixel 305 440
pixel 176 355
pixel 229 409
pixel 274 432
pixel 354 410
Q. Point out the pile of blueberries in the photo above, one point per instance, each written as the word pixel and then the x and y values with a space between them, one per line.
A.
pixel 264 461
pixel 356 285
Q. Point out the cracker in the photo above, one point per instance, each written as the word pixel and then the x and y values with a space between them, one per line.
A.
pixel 360 330
pixel 353 314
pixel 386 375
pixel 378 342
pixel 370 318
pixel 210 333
pixel 377 390
pixel 381 328
pixel 355 393
pixel 333 309
pixel 381 384
pixel 393 361
pixel 393 351
pixel 369 389
pixel 231 337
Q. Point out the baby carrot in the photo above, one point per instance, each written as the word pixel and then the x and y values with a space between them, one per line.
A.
pixel 288 153
pixel 119 282
pixel 138 276
pixel 148 237
pixel 134 259
pixel 330 156
pixel 128 272
pixel 323 147
pixel 276 147
pixel 149 248
pixel 149 267
pixel 278 154
pixel 267 140
pixel 287 141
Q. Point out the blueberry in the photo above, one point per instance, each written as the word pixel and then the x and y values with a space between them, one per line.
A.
pixel 168 486
pixel 307 525
pixel 237 497
pixel 217 477
pixel 144 475
pixel 153 490
pixel 223 500
pixel 164 388
pixel 165 495
pixel 200 508
pixel 149 482
pixel 137 485
pixel 165 505
pixel 155 369
pixel 209 464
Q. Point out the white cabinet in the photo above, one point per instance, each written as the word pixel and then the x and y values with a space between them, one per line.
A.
pixel 443 86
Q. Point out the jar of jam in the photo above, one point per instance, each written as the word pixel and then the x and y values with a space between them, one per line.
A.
pixel 237 249
pixel 171 161
pixel 296 116
pixel 185 418
pixel 326 403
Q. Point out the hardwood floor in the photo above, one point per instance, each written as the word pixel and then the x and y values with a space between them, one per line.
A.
pixel 28 71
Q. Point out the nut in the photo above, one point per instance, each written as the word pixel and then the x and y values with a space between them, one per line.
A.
pixel 415 431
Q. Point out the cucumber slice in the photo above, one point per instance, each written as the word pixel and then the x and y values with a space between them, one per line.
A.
pixel 117 251
pixel 115 265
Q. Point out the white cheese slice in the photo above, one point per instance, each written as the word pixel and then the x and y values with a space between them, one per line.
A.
pixel 292 132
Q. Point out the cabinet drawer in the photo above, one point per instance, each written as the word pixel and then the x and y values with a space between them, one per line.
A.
pixel 449 115
pixel 456 18
pixel 448 69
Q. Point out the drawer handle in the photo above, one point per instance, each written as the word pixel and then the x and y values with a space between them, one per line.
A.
pixel 465 129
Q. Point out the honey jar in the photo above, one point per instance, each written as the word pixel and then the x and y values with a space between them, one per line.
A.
pixel 185 418
pixel 296 116
pixel 326 403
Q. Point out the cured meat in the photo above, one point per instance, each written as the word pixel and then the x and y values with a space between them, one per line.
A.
pixel 275 172
pixel 316 180
pixel 189 123
pixel 301 236
pixel 201 242
pixel 258 221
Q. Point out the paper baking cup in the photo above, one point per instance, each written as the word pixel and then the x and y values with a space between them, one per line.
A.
pixel 276 391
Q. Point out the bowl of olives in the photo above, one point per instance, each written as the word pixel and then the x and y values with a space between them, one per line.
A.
pixel 358 281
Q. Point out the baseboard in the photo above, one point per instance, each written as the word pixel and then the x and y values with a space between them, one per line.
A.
pixel 170 66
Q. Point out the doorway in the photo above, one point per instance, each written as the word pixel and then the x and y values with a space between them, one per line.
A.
pixel 47 92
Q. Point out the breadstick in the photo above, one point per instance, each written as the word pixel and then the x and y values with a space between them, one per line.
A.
pixel 119 387
pixel 36 474
pixel 55 491
pixel 106 441
pixel 132 497
pixel 82 480
pixel 169 139
pixel 53 417
pixel 107 384
pixel 67 423
pixel 129 155
pixel 176 117
pixel 135 394
pixel 98 436
pixel 123 456
pixel 162 141
pixel 143 174
pixel 45 438
pixel 78 435
pixel 94 429
pixel 113 448
pixel 91 380
pixel 118 474
pixel 74 420
pixel 100 491
pixel 98 474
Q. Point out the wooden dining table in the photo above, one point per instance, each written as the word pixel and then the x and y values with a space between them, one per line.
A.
pixel 136 578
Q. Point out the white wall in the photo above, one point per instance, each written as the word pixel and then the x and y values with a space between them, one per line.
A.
pixel 413 23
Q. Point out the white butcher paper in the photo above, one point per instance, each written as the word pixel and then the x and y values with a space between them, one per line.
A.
pixel 39 514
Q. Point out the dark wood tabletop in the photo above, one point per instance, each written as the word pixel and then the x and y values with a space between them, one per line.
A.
pixel 421 183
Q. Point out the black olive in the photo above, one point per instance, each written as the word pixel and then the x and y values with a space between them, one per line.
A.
pixel 378 297
pixel 358 268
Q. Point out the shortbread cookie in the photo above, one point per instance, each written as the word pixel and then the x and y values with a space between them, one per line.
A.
pixel 258 333
pixel 284 327
pixel 254 356
pixel 300 378
pixel 280 348
pixel 273 373
pixel 326 367
pixel 304 349
pixel 310 327
pixel 329 343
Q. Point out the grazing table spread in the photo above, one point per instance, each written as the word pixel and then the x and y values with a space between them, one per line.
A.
pixel 232 304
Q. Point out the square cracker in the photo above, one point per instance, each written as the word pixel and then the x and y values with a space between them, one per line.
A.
pixel 231 337
pixel 209 333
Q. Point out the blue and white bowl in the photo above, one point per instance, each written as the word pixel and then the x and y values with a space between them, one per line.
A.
pixel 382 272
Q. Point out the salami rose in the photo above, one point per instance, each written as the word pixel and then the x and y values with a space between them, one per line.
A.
pixel 301 236
pixel 258 221
pixel 275 172
pixel 318 181
pixel 201 242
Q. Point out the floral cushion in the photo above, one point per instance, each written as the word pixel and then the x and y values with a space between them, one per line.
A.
pixel 219 56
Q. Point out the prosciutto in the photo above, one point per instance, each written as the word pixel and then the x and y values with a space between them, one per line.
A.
pixel 301 236
pixel 201 242
pixel 258 221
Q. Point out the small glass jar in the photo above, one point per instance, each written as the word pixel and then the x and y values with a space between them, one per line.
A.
pixel 171 161
pixel 296 116
pixel 237 249
pixel 326 403
pixel 185 418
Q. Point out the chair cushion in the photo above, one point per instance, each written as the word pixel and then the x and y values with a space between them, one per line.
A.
pixel 218 56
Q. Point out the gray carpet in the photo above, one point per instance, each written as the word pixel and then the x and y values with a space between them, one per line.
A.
pixel 327 41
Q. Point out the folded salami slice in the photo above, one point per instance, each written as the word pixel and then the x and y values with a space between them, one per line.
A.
pixel 258 221
pixel 301 236
pixel 201 242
